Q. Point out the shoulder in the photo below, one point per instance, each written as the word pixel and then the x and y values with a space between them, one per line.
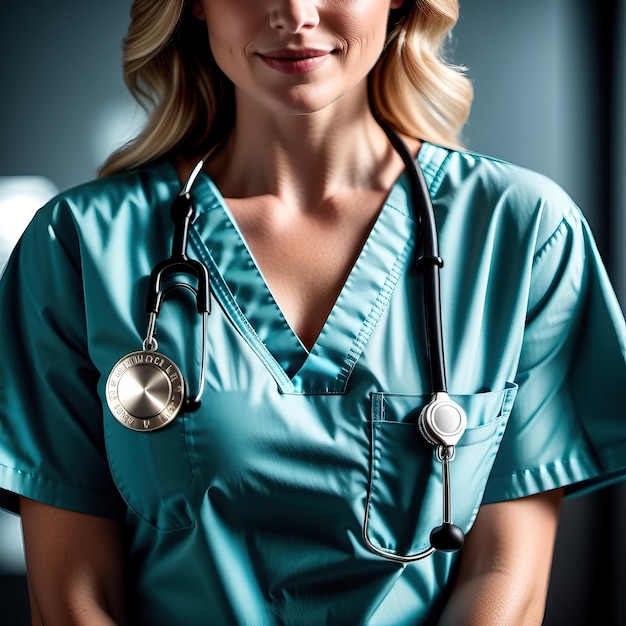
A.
pixel 92 213
pixel 498 178
pixel 139 188
pixel 103 213
pixel 499 190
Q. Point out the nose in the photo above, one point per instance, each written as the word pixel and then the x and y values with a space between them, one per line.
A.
pixel 294 16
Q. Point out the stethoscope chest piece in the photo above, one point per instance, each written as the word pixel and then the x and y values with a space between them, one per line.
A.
pixel 442 422
pixel 145 390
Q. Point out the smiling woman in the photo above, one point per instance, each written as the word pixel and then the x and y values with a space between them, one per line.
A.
pixel 170 67
pixel 326 48
pixel 307 153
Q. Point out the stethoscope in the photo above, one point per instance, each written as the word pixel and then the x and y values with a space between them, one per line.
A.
pixel 145 390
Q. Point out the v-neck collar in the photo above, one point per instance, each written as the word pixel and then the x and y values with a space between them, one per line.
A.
pixel 238 284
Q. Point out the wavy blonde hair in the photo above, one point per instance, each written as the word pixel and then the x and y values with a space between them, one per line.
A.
pixel 170 70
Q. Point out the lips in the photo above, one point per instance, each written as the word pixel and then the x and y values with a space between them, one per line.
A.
pixel 295 60
pixel 295 53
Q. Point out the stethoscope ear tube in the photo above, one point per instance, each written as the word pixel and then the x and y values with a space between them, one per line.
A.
pixel 145 390
pixel 179 262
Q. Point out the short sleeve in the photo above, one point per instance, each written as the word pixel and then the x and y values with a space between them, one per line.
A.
pixel 51 439
pixel 568 424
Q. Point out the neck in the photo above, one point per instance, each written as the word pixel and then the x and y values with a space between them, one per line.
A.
pixel 303 159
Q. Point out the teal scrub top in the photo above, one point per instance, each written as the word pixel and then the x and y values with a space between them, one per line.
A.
pixel 273 502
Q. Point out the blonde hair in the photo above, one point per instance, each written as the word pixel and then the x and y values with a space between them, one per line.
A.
pixel 169 69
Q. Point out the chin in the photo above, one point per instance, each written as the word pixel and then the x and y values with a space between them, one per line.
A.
pixel 306 102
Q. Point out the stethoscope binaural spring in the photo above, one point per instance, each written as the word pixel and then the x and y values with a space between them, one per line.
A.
pixel 145 390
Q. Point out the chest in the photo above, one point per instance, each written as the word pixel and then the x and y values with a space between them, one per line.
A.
pixel 305 257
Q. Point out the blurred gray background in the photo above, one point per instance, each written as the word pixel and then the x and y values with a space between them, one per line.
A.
pixel 550 95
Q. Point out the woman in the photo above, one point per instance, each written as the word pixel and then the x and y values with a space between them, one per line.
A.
pixel 301 491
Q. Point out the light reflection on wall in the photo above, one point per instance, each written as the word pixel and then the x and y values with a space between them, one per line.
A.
pixel 20 197
pixel 117 121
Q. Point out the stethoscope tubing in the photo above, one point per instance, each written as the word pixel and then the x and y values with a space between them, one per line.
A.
pixel 429 263
pixel 441 422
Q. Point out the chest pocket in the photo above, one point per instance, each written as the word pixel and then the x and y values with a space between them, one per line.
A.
pixel 405 492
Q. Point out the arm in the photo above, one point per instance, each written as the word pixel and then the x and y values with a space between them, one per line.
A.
pixel 75 567
pixel 505 564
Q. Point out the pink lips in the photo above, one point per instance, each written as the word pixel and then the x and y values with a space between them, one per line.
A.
pixel 294 61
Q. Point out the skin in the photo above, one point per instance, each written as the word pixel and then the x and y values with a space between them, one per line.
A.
pixel 505 564
pixel 75 567
pixel 326 166
pixel 305 173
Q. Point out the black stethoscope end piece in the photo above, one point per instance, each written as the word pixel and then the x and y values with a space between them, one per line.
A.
pixel 191 405
pixel 447 538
